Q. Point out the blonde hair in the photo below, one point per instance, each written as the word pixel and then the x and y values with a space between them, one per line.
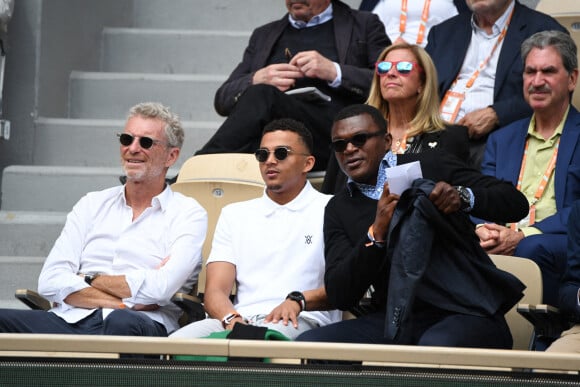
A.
pixel 427 117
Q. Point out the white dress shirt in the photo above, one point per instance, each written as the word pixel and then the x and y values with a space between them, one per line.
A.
pixel 101 236
pixel 480 94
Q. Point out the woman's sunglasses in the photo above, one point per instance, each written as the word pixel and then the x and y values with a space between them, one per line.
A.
pixel 280 153
pixel 357 140
pixel 145 142
pixel 403 67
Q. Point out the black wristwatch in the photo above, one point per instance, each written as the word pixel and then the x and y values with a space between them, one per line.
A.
pixel 298 297
pixel 90 277
pixel 465 196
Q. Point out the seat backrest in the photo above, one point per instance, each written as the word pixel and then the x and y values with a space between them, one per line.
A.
pixel 216 180
pixel 567 13
pixel 529 273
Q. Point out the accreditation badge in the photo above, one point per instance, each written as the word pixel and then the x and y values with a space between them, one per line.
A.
pixel 450 105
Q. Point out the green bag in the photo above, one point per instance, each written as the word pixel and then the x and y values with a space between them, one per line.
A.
pixel 240 332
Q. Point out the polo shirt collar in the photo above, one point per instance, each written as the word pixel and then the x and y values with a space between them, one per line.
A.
pixel 269 207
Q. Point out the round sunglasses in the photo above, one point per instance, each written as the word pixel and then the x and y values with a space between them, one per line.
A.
pixel 145 142
pixel 402 67
pixel 280 153
pixel 357 140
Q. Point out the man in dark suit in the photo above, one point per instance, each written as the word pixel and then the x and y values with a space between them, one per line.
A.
pixel 524 153
pixel 431 282
pixel 569 340
pixel 319 43
pixel 462 45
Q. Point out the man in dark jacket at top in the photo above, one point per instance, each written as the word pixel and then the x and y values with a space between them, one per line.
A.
pixel 432 282
pixel 319 43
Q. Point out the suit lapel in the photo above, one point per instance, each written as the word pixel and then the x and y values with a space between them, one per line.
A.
pixel 276 30
pixel 510 50
pixel 568 143
pixel 342 30
pixel 513 160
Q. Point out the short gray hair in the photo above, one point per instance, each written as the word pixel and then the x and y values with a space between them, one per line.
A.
pixel 173 128
pixel 561 41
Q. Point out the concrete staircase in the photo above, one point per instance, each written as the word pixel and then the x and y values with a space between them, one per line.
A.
pixel 174 51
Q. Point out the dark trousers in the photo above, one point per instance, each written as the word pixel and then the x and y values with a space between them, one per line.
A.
pixel 432 328
pixel 260 104
pixel 549 252
pixel 120 322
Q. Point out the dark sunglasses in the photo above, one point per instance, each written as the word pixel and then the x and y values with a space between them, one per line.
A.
pixel 357 140
pixel 403 67
pixel 145 142
pixel 280 153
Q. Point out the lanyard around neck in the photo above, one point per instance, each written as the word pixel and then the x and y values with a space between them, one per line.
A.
pixel 484 62
pixel 541 186
pixel 423 23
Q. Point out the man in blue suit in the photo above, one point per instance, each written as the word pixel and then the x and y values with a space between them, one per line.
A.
pixel 460 48
pixel 540 155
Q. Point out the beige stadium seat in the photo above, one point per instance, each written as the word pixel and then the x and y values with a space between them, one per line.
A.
pixel 529 273
pixel 567 12
pixel 216 180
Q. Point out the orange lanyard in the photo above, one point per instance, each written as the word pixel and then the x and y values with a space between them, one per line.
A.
pixel 484 62
pixel 543 181
pixel 401 146
pixel 422 25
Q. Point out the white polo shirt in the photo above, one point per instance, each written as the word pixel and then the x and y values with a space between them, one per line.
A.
pixel 276 249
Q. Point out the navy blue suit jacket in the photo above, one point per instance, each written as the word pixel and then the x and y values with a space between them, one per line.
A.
pixel 448 43
pixel 571 282
pixel 503 159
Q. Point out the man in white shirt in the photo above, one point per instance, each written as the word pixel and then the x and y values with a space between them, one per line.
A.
pixel 126 250
pixel 272 247
pixel 479 67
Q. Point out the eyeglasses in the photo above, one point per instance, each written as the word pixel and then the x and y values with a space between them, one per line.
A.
pixel 403 67
pixel 280 153
pixel 357 140
pixel 145 142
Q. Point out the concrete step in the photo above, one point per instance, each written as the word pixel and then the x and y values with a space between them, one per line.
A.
pixel 110 95
pixel 29 233
pixel 210 15
pixel 54 188
pixel 175 51
pixel 18 272
pixel 97 143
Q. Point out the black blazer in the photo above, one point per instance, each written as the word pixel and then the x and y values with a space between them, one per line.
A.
pixel 359 37
pixel 351 267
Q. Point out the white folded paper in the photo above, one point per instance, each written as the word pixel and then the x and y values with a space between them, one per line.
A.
pixel 400 177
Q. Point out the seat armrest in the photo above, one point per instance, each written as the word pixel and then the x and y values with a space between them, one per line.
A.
pixel 32 299
pixel 546 319
pixel 191 306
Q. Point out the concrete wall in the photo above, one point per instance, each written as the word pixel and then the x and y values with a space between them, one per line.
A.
pixel 47 39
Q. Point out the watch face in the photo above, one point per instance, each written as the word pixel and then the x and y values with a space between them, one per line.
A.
pixel 296 296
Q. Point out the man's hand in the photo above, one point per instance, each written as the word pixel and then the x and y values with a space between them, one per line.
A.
pixel 385 209
pixel 479 122
pixel 506 241
pixel 314 65
pixel 445 197
pixel 281 75
pixel 286 311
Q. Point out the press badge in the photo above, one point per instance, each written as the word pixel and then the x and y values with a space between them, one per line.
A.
pixel 451 104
